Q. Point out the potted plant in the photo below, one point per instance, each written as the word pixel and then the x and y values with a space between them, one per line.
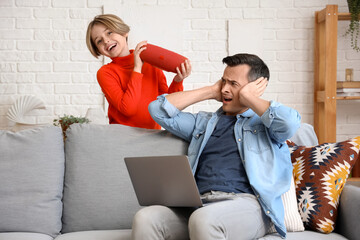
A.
pixel 66 121
pixel 354 27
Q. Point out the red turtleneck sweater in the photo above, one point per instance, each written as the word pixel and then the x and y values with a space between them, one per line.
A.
pixel 129 93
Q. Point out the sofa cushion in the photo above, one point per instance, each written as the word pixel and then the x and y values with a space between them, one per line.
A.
pixel 320 174
pixel 98 194
pixel 24 236
pixel 124 234
pixel 31 180
pixel 307 235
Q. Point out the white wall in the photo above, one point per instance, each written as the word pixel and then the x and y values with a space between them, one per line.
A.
pixel 43 52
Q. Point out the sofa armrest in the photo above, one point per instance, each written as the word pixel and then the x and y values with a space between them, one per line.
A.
pixel 349 212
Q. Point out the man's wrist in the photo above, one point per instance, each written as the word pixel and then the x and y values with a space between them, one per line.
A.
pixel 213 93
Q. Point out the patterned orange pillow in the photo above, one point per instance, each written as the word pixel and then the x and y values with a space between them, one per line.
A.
pixel 320 173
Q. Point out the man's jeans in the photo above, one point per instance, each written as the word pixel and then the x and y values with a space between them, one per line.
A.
pixel 228 216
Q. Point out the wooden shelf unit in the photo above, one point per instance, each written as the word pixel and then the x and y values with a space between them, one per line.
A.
pixel 348 98
pixel 325 70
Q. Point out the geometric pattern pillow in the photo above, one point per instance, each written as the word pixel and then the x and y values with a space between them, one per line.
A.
pixel 320 173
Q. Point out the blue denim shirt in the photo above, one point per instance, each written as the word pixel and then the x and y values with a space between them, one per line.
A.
pixel 261 144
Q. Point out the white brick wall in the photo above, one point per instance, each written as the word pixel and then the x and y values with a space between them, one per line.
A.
pixel 43 53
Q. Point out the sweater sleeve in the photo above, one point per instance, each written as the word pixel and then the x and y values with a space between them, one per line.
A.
pixel 124 98
pixel 176 87
pixel 163 87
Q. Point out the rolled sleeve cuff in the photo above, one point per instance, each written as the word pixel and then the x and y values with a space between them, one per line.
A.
pixel 268 116
pixel 170 109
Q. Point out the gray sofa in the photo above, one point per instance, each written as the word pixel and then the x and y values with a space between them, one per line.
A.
pixel 82 191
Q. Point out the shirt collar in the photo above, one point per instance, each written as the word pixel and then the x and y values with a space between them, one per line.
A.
pixel 248 113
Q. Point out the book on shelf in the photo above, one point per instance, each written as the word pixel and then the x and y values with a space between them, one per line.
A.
pixel 348 84
pixel 348 94
pixel 348 90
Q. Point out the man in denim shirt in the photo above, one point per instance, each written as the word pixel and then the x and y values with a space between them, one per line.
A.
pixel 237 154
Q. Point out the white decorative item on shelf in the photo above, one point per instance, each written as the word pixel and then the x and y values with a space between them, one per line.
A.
pixel 349 74
pixel 22 106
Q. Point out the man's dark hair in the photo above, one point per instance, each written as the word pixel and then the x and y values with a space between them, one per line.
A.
pixel 257 66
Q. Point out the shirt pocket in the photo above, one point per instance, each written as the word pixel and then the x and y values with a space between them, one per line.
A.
pixel 256 139
pixel 197 138
pixel 198 135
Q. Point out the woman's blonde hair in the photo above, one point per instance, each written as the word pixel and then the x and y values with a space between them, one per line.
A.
pixel 112 22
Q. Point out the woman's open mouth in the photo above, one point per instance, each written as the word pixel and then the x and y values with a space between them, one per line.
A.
pixel 111 47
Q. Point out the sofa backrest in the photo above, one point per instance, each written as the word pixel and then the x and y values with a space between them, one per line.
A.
pixel 98 193
pixel 31 180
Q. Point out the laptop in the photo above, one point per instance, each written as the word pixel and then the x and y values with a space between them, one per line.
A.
pixel 163 180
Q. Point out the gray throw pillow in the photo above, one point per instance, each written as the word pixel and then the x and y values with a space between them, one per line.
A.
pixel 98 194
pixel 305 136
pixel 31 180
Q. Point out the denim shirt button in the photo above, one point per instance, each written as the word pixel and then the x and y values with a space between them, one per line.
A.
pixel 239 139
pixel 255 131
pixel 267 212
